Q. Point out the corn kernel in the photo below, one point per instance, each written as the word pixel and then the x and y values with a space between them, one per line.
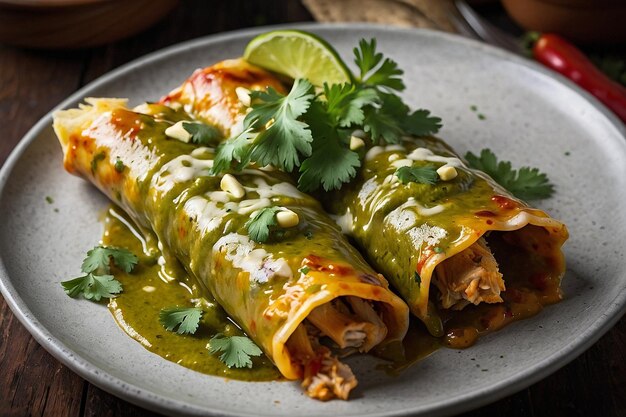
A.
pixel 243 94
pixel 232 186
pixel 447 173
pixel 356 143
pixel 287 218
pixel 178 132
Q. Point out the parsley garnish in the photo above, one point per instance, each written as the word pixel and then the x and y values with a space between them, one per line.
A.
pixel 527 183
pixel 310 131
pixel 186 319
pixel 98 282
pixel 259 225
pixel 236 350
pixel 421 175
pixel 305 270
pixel 202 134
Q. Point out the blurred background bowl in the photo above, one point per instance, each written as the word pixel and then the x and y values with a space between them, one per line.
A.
pixel 586 21
pixel 76 23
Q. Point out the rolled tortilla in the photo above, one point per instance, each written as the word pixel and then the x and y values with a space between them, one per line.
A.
pixel 456 234
pixel 269 289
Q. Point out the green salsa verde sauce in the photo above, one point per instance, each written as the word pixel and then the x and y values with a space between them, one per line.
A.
pixel 151 287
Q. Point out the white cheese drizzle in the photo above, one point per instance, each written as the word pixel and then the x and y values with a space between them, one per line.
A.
pixel 345 222
pixel 404 217
pixel 424 154
pixel 425 233
pixel 261 266
pixel 205 213
pixel 366 191
pixel 377 150
pixel 201 151
pixel 183 168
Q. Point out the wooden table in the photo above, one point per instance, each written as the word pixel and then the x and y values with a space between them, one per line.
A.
pixel 33 383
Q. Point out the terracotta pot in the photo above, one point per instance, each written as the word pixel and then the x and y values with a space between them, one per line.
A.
pixel 76 23
pixel 587 21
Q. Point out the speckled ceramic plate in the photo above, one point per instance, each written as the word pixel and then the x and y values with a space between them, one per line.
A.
pixel 531 116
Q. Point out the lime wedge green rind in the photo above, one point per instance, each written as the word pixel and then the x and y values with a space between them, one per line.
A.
pixel 298 54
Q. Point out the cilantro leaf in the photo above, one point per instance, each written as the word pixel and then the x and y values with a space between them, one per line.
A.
pixel 420 123
pixel 99 258
pixel 259 225
pixel 236 148
pixel 202 134
pixel 332 162
pixel 387 75
pixel 285 137
pixel 373 72
pixel 186 319
pixel 236 350
pixel 527 183
pixel 92 287
pixel 75 287
pixel 345 103
pixel 421 175
pixel 331 167
pixel 383 123
pixel 366 57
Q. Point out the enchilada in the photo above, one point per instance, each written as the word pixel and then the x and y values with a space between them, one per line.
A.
pixel 287 291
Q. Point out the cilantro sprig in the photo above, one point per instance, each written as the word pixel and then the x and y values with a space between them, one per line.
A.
pixel 100 257
pixel 184 319
pixel 93 287
pixel 283 137
pixel 309 131
pixel 259 226
pixel 421 175
pixel 98 282
pixel 236 351
pixel 526 183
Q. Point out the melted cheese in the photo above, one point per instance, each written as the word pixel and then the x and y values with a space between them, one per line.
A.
pixel 243 253
pixel 207 215
pixel 426 234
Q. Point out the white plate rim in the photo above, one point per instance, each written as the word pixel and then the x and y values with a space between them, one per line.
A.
pixel 158 403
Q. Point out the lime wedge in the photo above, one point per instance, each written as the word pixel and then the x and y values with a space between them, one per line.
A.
pixel 298 54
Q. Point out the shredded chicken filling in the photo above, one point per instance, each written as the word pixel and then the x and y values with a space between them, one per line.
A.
pixel 469 277
pixel 351 324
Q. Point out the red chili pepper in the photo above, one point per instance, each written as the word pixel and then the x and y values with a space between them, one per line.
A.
pixel 560 55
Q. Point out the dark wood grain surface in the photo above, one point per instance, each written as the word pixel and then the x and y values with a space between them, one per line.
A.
pixel 32 383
